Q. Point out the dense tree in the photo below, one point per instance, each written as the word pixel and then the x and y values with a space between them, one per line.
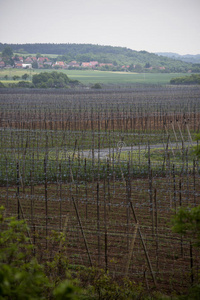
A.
pixel 7 52
pixel 131 67
pixel 16 77
pixel 195 68
pixel 24 84
pixel 38 55
pixel 35 65
pixel 147 65
pixel 138 68
pixel 7 55
pixel 192 79
pixel 16 57
pixel 25 76
pixel 52 79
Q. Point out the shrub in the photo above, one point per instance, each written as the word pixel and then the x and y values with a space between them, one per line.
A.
pixel 21 276
pixel 24 84
pixel 2 85
pixel 96 86
pixel 53 79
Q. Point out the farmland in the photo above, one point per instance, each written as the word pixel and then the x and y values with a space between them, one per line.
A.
pixel 88 77
pixel 108 169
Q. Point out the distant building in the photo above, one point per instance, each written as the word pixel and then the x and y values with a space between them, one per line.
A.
pixel 27 66
pixel 91 64
pixel 18 64
pixel 28 60
pixel 40 65
pixel 8 67
pixel 47 63
pixel 59 64
pixel 2 64
pixel 85 65
pixel 125 67
pixel 73 64
pixel 104 64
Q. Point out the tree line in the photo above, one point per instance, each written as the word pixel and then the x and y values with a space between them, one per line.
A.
pixel 192 79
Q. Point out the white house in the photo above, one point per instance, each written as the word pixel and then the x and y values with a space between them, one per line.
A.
pixel 27 66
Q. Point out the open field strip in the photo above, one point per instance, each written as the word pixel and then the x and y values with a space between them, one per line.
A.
pixel 102 77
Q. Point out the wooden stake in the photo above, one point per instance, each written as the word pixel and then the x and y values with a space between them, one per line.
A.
pixel 98 224
pixel 156 225
pixel 82 231
pixel 18 205
pixel 143 244
pixel 191 264
pixel 105 226
pixel 46 199
pixel 131 250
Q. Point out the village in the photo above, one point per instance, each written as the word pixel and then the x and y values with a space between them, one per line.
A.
pixel 43 62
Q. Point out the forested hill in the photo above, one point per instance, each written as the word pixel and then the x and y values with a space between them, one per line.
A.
pixel 195 59
pixel 103 54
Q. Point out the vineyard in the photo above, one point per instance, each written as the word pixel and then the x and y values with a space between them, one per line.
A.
pixel 108 169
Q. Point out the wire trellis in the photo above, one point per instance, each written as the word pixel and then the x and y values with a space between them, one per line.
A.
pixel 108 169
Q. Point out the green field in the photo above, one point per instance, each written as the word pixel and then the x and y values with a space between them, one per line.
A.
pixel 103 77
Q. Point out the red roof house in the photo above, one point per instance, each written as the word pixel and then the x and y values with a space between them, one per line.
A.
pixel 2 64
pixel 42 59
pixel 90 64
pixel 85 64
pixel 59 64
pixel 18 64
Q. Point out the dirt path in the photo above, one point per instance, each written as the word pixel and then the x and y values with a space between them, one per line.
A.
pixel 104 153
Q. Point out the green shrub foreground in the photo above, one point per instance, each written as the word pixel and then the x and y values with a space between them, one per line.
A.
pixel 23 277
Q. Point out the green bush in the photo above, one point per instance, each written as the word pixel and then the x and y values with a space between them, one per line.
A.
pixel 21 276
pixel 187 222
pixel 2 85
pixel 192 79
pixel 96 86
pixel 24 84
pixel 52 80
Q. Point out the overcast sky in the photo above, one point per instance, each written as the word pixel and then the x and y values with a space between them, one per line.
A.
pixel 151 25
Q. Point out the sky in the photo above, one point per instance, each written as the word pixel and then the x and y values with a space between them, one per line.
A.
pixel 150 25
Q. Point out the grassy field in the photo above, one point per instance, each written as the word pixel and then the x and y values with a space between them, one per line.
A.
pixel 103 77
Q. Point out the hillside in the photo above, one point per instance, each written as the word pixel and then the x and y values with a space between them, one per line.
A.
pixel 195 59
pixel 104 54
